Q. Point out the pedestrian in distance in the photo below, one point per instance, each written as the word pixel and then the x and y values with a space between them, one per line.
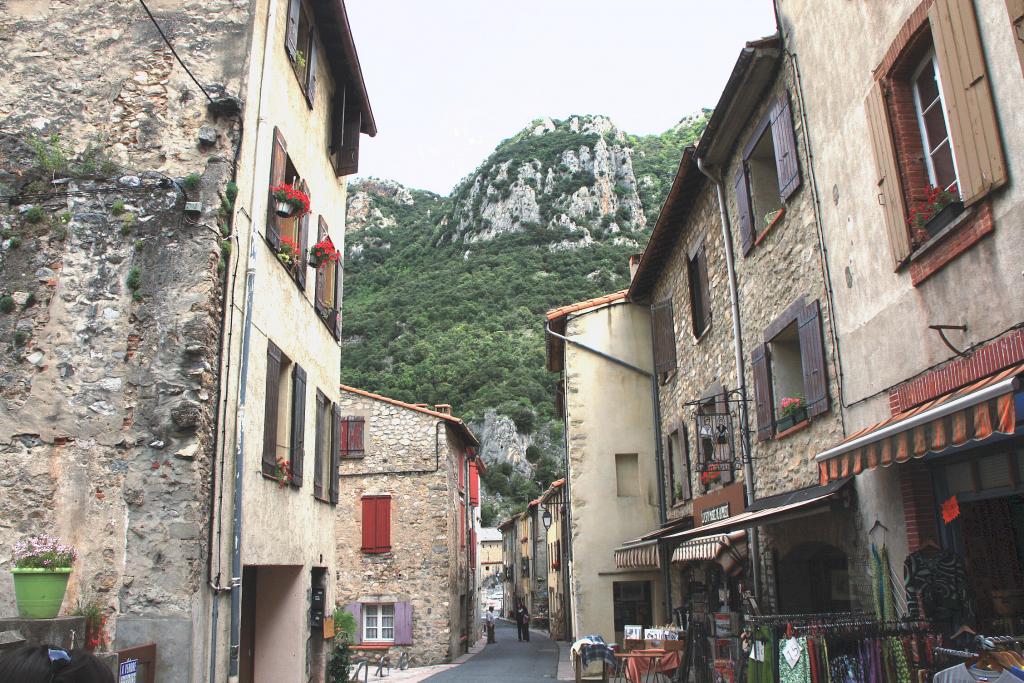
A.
pixel 523 622
pixel 48 664
pixel 489 624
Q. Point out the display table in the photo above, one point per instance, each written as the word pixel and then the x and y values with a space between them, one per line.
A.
pixel 641 663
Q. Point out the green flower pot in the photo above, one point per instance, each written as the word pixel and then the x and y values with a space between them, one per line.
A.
pixel 39 592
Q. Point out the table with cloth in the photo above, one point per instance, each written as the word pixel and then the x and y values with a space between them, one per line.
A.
pixel 639 663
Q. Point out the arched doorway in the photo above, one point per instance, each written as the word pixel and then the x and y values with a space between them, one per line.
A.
pixel 813 577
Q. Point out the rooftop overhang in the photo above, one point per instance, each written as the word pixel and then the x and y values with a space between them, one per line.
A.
pixel 336 34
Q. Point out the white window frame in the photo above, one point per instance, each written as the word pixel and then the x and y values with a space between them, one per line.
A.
pixel 931 62
pixel 376 610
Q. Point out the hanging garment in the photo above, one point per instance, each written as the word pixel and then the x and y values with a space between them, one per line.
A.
pixel 846 669
pixel 763 650
pixel 961 674
pixel 812 658
pixel 899 658
pixel 794 665
pixel 936 585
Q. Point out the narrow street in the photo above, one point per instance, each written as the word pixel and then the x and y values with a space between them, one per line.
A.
pixel 508 660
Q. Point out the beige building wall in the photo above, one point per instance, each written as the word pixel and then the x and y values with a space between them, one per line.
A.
pixel 608 412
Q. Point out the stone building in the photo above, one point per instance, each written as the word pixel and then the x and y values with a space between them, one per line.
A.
pixel 512 562
pixel 491 559
pixel 602 349
pixel 168 404
pixel 929 311
pixel 405 533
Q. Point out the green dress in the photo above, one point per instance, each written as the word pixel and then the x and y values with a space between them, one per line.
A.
pixel 801 671
pixel 763 671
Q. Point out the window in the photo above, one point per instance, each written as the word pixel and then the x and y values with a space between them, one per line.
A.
pixel 376 524
pixel 284 415
pixel 322 460
pixel 679 466
pixel 931 118
pixel 627 475
pixel 933 76
pixel 301 46
pixel 346 124
pixel 664 333
pixel 378 623
pixel 351 437
pixel 790 364
pixel 286 236
pixel 474 483
pixel 768 173
pixel 327 301
pixel 700 291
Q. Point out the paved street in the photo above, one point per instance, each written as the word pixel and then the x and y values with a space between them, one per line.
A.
pixel 508 660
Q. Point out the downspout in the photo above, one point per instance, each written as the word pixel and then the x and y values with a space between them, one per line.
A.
pixel 567 517
pixel 243 383
pixel 468 522
pixel 656 409
pixel 737 336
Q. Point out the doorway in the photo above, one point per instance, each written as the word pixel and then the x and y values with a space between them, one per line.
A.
pixel 631 604
pixel 814 577
pixel 274 622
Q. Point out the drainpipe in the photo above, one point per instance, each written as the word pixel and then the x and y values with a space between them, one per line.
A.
pixel 656 409
pixel 737 336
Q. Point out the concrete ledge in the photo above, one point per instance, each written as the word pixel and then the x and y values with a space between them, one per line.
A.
pixel 66 632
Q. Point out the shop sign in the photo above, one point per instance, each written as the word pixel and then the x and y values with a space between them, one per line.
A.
pixel 714 514
pixel 719 504
pixel 127 671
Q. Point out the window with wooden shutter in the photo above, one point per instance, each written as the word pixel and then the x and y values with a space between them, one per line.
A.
pixel 745 216
pixel 278 169
pixel 787 164
pixel 332 476
pixel 1015 8
pixel 270 416
pixel 376 524
pixel 348 155
pixel 887 177
pixel 323 442
pixel 356 610
pixel 311 70
pixel 352 429
pixel 403 623
pixel 320 288
pixel 298 439
pixel 812 355
pixel 291 36
pixel 302 239
pixel 762 392
pixel 700 291
pixel 474 483
pixel 663 329
pixel 973 126
pixel 327 299
pixel 462 524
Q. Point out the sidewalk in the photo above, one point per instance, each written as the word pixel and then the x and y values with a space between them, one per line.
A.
pixel 420 673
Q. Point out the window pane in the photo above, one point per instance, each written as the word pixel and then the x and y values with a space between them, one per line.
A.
pixel 935 125
pixel 927 86
pixel 942 161
pixel 994 472
pixel 958 478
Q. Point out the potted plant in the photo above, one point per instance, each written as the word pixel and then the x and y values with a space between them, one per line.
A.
pixel 709 476
pixel 42 565
pixel 792 411
pixel 287 251
pixel 938 210
pixel 291 201
pixel 283 472
pixel 322 253
pixel 770 217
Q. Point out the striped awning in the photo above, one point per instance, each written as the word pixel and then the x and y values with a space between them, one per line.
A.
pixel 728 549
pixel 972 413
pixel 638 556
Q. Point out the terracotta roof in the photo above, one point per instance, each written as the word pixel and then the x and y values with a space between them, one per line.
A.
pixel 459 424
pixel 584 305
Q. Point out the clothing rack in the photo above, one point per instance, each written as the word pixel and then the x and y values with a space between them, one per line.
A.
pixel 963 654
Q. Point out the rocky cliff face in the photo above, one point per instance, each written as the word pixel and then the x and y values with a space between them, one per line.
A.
pixel 501 442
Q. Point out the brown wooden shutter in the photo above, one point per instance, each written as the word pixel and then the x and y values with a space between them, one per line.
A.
pixel 973 127
pixel 298 444
pixel 278 164
pixel 302 239
pixel 812 355
pixel 762 391
pixel 332 477
pixel 1015 8
pixel 318 452
pixel 349 162
pixel 787 163
pixel 887 177
pixel 270 409
pixel 291 36
pixel 355 435
pixel 705 285
pixel 745 217
pixel 684 461
pixel 664 337
pixel 336 312
pixel 338 125
pixel 321 273
pixel 312 66
pixel 670 457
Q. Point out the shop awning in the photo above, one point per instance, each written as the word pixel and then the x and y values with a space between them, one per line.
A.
pixel 972 413
pixel 770 511
pixel 643 555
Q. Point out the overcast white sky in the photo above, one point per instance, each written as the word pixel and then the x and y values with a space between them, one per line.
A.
pixel 449 79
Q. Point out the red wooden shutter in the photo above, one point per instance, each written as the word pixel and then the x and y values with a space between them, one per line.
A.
pixel 278 164
pixel 298 441
pixel 332 478
pixel 663 329
pixel 312 65
pixel 376 524
pixel 812 356
pixel 744 217
pixel 462 472
pixel 384 524
pixel 784 139
pixel 291 36
pixel 762 391
pixel 355 436
pixel 369 525
pixel 462 524
pixel 318 449
pixel 270 409
pixel 474 483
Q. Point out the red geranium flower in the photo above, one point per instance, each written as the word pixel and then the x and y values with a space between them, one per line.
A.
pixel 292 195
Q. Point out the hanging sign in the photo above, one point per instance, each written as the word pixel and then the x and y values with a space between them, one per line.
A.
pixel 715 514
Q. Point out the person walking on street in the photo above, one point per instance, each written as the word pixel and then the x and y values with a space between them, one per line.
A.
pixel 523 622
pixel 489 623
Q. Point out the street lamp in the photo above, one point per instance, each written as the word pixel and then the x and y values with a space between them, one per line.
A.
pixel 546 518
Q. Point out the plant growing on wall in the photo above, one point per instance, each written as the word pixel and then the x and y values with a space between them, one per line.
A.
pixel 96 638
pixel 283 472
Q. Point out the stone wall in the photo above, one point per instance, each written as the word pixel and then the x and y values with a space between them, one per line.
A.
pixel 426 566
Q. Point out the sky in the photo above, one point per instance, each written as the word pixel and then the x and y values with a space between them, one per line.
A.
pixel 449 79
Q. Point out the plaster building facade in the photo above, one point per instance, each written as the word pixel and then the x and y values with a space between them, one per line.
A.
pixel 492 561
pixel 554 526
pixel 170 406
pixel 406 527
pixel 928 312
pixel 612 482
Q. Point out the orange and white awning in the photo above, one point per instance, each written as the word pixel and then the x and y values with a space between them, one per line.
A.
pixel 972 413
pixel 638 556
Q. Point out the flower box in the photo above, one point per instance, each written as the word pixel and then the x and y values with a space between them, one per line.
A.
pixel 944 217
pixel 322 253
pixel 791 419
pixel 290 202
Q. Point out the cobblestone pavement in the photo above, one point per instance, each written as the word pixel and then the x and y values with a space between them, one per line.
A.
pixel 507 660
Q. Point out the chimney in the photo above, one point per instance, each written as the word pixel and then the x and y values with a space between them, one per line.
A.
pixel 445 408
pixel 634 265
